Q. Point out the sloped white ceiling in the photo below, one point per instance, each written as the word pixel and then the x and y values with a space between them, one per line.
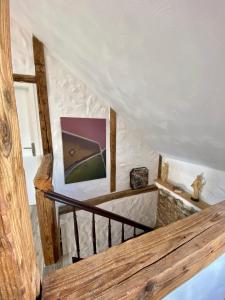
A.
pixel 159 62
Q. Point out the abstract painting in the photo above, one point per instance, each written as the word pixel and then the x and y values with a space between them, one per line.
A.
pixel 84 148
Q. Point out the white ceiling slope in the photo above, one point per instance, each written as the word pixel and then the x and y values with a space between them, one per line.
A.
pixel 160 62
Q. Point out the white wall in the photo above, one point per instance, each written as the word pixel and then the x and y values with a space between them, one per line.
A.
pixel 183 173
pixel 69 97
pixel 161 63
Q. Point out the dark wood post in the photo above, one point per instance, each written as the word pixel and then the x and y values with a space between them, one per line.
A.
pixel 113 150
pixel 42 95
pixel 46 211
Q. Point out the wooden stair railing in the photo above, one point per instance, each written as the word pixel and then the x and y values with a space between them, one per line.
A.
pixel 49 229
pixel 148 267
pixel 76 204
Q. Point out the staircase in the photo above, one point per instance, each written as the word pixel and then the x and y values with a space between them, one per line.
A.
pixel 76 205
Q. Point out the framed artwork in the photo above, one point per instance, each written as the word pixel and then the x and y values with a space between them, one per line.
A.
pixel 84 148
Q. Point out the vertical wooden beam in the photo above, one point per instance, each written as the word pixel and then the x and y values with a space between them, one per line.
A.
pixel 19 278
pixel 113 150
pixel 160 166
pixel 46 211
pixel 42 94
pixel 48 228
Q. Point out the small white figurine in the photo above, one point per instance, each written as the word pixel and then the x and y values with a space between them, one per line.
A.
pixel 165 171
pixel 197 186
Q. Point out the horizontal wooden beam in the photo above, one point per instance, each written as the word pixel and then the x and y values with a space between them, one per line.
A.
pixel 170 187
pixel 148 267
pixel 64 209
pixel 24 78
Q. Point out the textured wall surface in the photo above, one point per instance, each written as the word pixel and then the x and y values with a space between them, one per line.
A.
pixel 170 209
pixel 69 97
pixel 183 174
pixel 161 63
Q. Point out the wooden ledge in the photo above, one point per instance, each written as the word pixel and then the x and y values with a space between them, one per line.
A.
pixel 43 178
pixel 147 267
pixel 64 209
pixel 182 196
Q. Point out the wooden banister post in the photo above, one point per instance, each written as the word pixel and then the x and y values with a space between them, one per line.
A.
pixel 46 211
pixel 112 150
pixel 19 277
pixel 160 166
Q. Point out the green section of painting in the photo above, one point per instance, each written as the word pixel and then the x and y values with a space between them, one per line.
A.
pixel 90 169
pixel 104 155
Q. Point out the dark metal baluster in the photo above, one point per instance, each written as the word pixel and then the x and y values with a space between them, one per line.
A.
pixel 135 232
pixel 93 234
pixel 76 233
pixel 109 234
pixel 122 238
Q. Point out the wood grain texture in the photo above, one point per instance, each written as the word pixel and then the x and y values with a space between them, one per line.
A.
pixel 43 178
pixel 147 267
pixel 48 228
pixel 24 78
pixel 169 186
pixel 112 150
pixel 19 277
pixel 42 95
pixel 160 166
pixel 46 211
pixel 64 209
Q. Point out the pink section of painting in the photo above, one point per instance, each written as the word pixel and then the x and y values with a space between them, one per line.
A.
pixel 93 129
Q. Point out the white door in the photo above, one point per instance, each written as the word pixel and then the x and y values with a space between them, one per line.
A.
pixel 27 109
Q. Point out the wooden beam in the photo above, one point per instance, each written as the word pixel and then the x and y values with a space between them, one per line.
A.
pixel 171 188
pixel 112 150
pixel 24 78
pixel 46 211
pixel 42 94
pixel 160 166
pixel 43 177
pixel 147 267
pixel 48 228
pixel 64 209
pixel 19 277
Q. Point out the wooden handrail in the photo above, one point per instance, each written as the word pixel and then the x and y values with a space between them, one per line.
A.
pixel 93 209
pixel 148 267
pixel 64 209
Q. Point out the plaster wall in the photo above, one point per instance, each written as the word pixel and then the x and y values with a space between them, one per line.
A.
pixel 69 97
pixel 183 174
pixel 160 63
